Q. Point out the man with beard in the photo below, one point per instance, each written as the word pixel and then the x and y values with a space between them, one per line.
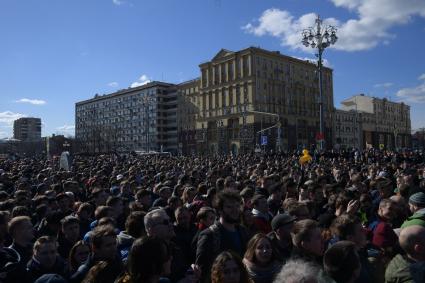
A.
pixel 225 234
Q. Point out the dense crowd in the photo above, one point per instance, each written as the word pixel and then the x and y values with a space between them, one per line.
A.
pixel 346 216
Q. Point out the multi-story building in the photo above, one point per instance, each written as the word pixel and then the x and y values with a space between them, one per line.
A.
pixel 187 111
pixel 27 129
pixel 245 92
pixel 346 129
pixel 134 119
pixel 382 123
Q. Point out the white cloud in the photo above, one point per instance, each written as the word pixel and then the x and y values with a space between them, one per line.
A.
pixel 8 117
pixel 414 94
pixel 113 84
pixel 372 25
pixel 31 101
pixel 384 85
pixel 144 79
pixel 118 2
pixel 325 62
pixel 67 130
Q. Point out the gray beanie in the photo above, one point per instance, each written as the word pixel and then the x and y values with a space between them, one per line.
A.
pixel 418 199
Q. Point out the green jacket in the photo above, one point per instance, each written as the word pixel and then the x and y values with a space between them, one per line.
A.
pixel 398 270
pixel 418 218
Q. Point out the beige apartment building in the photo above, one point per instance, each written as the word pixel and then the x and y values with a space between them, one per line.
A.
pixel 372 122
pixel 246 98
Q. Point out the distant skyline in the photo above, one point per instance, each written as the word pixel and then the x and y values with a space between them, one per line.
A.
pixel 55 53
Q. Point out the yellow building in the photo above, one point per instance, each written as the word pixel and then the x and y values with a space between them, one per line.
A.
pixel 235 87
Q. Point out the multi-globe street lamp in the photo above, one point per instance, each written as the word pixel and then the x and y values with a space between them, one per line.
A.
pixel 320 37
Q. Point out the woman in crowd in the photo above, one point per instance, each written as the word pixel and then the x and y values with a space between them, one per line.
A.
pixel 228 268
pixel 260 259
pixel 78 255
pixel 148 260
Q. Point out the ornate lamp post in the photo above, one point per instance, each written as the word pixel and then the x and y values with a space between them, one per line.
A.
pixel 320 37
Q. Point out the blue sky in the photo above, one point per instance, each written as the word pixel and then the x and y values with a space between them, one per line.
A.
pixel 54 53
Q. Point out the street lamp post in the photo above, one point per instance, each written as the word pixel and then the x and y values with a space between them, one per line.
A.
pixel 320 37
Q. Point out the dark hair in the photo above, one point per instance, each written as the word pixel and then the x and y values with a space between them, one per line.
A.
pixel 302 231
pixel 68 220
pixel 341 261
pixel 217 269
pixel 344 226
pixel 20 211
pixel 100 273
pixel 102 211
pixel 226 195
pixel 112 200
pixel 73 265
pixel 44 240
pixel 135 225
pixel 252 245
pixel 97 235
pixel 17 222
pixel 203 212
pixel 146 259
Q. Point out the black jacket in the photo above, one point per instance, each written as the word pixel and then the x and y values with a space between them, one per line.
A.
pixel 214 240
pixel 35 270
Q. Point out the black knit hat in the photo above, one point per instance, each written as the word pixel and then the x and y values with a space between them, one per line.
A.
pixel 282 219
pixel 418 199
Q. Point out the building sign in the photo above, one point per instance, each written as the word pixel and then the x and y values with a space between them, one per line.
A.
pixel 263 140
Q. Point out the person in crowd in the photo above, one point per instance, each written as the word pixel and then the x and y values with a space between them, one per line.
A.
pixel 11 268
pixel 297 271
pixel 348 228
pixel 103 248
pixel 384 236
pixel 78 254
pixel 228 268
pixel 149 259
pixel 45 259
pixel 261 215
pixel 225 234
pixel 417 207
pixel 134 228
pixel 408 267
pixel 69 235
pixel 22 232
pixel 341 262
pixel 307 241
pixel 281 236
pixel 205 217
pixel 185 231
pixel 158 224
pixel 260 259
pixel 100 273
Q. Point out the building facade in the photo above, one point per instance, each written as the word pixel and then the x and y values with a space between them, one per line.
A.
pixel 375 122
pixel 27 129
pixel 346 129
pixel 187 112
pixel 254 97
pixel 134 119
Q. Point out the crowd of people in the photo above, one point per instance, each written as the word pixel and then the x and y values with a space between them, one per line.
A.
pixel 341 217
